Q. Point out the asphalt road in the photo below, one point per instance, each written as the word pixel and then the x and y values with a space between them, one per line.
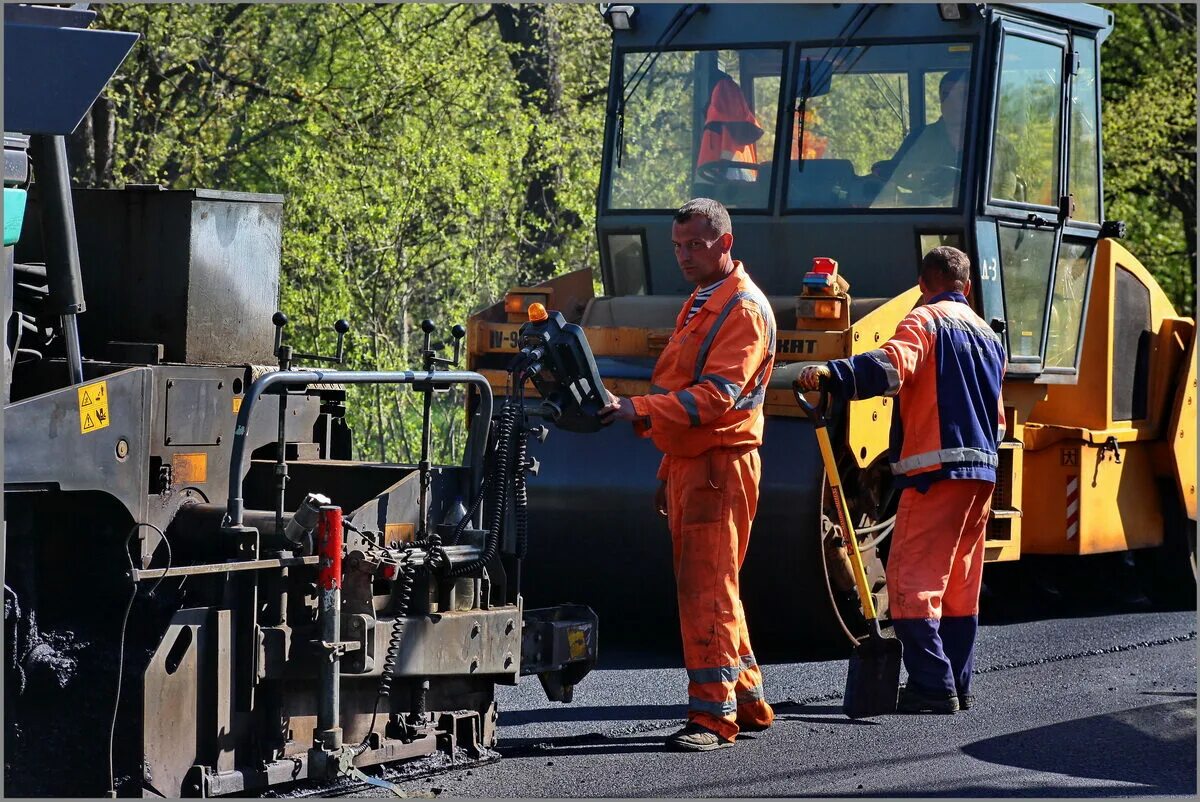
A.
pixel 1100 705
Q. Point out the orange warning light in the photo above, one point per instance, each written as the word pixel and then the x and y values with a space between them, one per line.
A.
pixel 537 312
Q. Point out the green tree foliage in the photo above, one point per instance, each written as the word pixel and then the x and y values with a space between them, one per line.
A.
pixel 1148 79
pixel 419 156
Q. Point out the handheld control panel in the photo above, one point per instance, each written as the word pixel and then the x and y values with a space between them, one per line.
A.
pixel 559 361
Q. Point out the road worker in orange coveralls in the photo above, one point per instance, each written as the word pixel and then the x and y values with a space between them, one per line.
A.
pixel 704 412
pixel 946 366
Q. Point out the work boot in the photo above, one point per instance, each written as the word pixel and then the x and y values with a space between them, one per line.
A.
pixel 965 700
pixel 696 738
pixel 914 700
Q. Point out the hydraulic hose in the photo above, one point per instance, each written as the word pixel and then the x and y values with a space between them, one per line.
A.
pixel 501 476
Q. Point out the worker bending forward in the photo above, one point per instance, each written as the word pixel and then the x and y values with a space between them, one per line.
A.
pixel 704 412
pixel 946 366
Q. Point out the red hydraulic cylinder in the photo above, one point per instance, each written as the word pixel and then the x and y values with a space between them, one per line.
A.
pixel 329 547
pixel 328 734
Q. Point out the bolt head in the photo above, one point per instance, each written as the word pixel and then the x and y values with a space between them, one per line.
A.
pixel 122 448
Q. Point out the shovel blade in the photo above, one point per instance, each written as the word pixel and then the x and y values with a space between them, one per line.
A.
pixel 873 677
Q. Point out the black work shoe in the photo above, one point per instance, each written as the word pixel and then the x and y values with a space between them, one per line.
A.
pixel 913 700
pixel 696 738
pixel 965 700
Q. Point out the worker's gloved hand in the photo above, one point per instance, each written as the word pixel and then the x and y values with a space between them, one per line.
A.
pixel 617 409
pixel 660 499
pixel 811 377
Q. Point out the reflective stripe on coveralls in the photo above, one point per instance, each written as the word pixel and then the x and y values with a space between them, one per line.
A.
pixel 712 499
pixel 704 412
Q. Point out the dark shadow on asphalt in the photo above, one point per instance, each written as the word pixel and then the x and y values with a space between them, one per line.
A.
pixel 1153 745
pixel 593 743
pixel 511 718
pixel 1041 587
pixel 811 714
pixel 817 714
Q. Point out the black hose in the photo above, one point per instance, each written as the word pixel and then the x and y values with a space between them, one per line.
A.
pixel 112 730
pixel 501 475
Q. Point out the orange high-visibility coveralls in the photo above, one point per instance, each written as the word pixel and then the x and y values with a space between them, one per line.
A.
pixel 705 415
pixel 730 131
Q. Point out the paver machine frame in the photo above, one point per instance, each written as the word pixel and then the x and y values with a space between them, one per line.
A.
pixel 204 594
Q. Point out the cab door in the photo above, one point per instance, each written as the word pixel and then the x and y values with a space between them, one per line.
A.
pixel 1025 204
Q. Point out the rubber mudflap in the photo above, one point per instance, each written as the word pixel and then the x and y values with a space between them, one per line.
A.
pixel 596 539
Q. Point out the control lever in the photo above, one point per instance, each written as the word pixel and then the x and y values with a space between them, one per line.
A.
pixel 432 360
pixel 285 354
pixel 458 332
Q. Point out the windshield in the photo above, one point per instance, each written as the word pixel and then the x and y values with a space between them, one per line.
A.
pixel 879 126
pixel 697 123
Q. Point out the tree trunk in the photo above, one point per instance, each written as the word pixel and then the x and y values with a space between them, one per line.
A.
pixel 544 224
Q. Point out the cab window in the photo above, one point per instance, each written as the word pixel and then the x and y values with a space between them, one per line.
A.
pixel 1025 255
pixel 1025 153
pixel 880 127
pixel 697 123
pixel 1083 175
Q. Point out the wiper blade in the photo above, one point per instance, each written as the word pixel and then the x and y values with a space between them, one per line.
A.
pixel 845 35
pixel 682 17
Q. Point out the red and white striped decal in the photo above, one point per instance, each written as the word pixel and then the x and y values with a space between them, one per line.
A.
pixel 1072 506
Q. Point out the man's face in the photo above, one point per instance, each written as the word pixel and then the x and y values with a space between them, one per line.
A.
pixel 952 109
pixel 699 250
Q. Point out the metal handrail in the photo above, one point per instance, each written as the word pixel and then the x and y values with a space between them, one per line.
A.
pixel 439 379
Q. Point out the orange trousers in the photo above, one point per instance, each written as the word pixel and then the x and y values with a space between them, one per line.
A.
pixel 935 566
pixel 711 501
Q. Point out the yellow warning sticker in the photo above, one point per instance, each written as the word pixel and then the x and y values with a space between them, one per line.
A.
pixel 93 407
pixel 577 638
pixel 237 404
pixel 398 533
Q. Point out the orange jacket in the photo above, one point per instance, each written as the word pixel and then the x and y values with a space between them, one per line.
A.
pixel 730 130
pixel 709 383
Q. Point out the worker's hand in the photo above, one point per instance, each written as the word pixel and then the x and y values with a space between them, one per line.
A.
pixel 660 499
pixel 617 409
pixel 811 377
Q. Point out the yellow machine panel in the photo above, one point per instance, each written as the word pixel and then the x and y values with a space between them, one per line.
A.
pixel 1086 502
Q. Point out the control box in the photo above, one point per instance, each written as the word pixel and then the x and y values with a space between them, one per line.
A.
pixel 563 370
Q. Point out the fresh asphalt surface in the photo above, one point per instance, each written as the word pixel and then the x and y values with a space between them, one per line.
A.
pixel 1082 705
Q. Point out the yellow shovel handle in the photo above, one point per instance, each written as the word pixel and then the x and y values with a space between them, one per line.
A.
pixel 817 415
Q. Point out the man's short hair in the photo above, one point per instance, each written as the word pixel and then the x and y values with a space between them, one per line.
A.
pixel 711 210
pixel 949 80
pixel 946 269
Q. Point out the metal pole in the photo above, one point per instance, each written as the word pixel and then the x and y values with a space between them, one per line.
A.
pixel 480 423
pixel 70 327
pixel 63 275
pixel 329 582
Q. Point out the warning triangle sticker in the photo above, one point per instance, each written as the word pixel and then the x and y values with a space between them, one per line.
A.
pixel 87 399
pixel 87 422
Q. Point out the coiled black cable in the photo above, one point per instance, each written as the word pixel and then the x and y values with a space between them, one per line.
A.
pixel 403 599
pixel 520 496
